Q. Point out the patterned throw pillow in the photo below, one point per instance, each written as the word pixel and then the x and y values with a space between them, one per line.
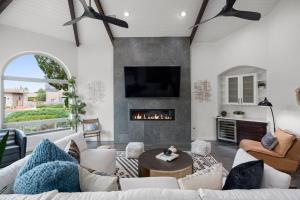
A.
pixel 245 176
pixel 73 150
pixel 269 141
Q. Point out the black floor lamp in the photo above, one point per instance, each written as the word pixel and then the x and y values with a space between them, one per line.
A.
pixel 267 103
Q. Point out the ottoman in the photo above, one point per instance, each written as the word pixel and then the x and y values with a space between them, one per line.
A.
pixel 201 147
pixel 134 149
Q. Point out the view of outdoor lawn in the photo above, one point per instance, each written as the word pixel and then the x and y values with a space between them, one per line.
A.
pixel 34 94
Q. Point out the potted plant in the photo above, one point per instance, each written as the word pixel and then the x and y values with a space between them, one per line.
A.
pixel 3 145
pixel 238 114
pixel 73 103
pixel 298 95
pixel 261 84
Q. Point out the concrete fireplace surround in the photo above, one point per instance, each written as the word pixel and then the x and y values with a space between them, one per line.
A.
pixel 174 51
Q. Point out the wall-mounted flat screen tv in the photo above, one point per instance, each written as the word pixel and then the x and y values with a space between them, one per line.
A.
pixel 150 81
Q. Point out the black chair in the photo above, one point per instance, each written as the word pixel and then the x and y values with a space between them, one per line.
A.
pixel 15 146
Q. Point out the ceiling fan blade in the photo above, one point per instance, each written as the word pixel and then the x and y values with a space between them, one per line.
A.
pixel 111 20
pixel 85 6
pixel 74 20
pixel 248 15
pixel 230 3
pixel 204 21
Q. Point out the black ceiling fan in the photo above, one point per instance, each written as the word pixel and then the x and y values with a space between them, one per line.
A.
pixel 229 11
pixel 91 13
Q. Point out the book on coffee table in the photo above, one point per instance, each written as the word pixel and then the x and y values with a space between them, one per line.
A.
pixel 166 158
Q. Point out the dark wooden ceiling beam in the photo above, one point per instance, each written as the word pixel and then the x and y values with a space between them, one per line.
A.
pixel 75 29
pixel 106 25
pixel 198 20
pixel 4 4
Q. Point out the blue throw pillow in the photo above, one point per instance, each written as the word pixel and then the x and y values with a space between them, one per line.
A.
pixel 269 141
pixel 90 127
pixel 58 175
pixel 45 152
pixel 41 167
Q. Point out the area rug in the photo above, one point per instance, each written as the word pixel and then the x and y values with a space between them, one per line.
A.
pixel 128 168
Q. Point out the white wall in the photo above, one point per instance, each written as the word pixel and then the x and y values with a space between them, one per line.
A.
pixel 92 61
pixel 95 61
pixel 272 44
pixel 15 41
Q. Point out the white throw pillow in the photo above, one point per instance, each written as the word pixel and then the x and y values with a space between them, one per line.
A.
pixel 95 183
pixel 210 178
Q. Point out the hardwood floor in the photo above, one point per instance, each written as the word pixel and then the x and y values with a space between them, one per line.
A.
pixel 222 152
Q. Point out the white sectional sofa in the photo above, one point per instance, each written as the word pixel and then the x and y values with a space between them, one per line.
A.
pixel 274 185
pixel 166 194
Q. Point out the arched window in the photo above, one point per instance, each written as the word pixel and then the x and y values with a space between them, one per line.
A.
pixel 33 94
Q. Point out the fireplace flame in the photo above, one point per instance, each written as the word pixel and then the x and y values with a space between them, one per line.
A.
pixel 139 116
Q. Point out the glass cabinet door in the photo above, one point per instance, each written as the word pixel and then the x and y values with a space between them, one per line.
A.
pixel 248 89
pixel 233 90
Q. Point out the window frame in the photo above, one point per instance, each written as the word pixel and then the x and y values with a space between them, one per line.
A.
pixel 28 79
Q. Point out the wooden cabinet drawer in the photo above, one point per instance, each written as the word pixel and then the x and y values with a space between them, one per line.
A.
pixel 250 130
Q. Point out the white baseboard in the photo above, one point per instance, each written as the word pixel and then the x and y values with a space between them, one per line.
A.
pixel 205 138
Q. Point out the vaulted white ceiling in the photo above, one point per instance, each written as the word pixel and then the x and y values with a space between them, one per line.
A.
pixel 148 18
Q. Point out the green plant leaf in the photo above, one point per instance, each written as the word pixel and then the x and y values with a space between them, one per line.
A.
pixel 3 145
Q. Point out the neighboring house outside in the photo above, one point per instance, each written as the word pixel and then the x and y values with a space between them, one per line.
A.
pixel 54 97
pixel 14 98
pixel 19 99
pixel 29 100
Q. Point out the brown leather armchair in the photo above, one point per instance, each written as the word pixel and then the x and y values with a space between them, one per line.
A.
pixel 286 162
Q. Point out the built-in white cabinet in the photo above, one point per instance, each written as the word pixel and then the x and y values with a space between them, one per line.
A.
pixel 241 89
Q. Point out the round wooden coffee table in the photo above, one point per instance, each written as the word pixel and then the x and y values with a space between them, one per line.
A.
pixel 151 166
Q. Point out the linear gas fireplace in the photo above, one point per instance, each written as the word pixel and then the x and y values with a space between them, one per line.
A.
pixel 152 114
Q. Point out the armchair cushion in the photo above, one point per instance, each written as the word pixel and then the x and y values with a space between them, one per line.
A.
pixel 251 145
pixel 91 127
pixel 15 146
pixel 11 149
pixel 285 141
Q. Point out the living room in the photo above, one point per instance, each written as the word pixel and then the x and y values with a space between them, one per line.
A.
pixel 200 82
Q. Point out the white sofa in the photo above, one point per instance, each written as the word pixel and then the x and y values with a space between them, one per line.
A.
pixel 166 194
pixel 103 160
pixel 137 190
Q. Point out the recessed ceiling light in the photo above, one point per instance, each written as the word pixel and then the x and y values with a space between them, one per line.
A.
pixel 183 14
pixel 126 14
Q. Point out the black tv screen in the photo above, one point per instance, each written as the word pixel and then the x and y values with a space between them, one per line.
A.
pixel 152 81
